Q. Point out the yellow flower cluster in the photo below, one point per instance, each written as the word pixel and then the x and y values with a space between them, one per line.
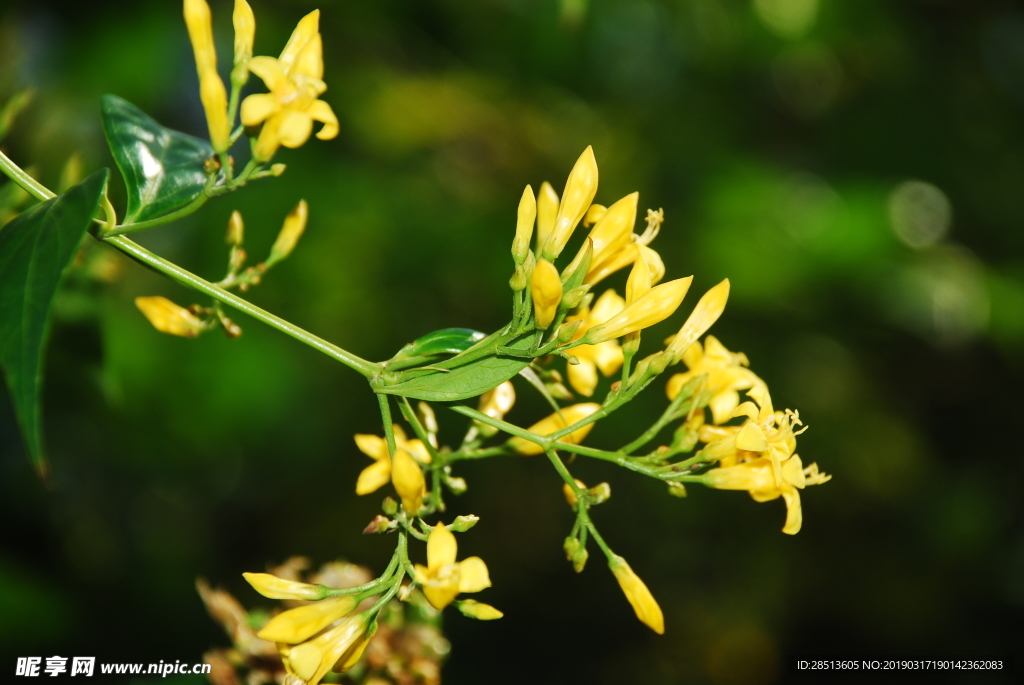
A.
pixel 759 455
pixel 315 638
pixel 403 469
pixel 295 81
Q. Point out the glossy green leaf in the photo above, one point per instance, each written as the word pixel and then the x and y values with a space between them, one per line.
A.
pixel 163 169
pixel 468 380
pixel 444 341
pixel 35 250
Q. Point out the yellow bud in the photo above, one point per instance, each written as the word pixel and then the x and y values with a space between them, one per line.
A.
pixel 408 480
pixel 236 229
pixel 215 104
pixel 168 317
pixel 524 226
pixel 291 231
pixel 499 401
pixel 245 34
pixel 546 289
pixel 558 421
pixel 657 304
pixel 547 211
pixel 579 192
pixel 704 315
pixel 300 624
pixel 594 214
pixel 479 610
pixel 639 281
pixel 272 587
pixel 643 602
pixel 570 496
pixel 277 169
pixel 200 33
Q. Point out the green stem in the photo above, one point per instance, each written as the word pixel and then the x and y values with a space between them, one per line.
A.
pixel 666 417
pixel 581 508
pixel 27 183
pixel 190 208
pixel 499 451
pixel 389 430
pixel 186 278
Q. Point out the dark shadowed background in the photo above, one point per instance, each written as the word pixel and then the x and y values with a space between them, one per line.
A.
pixel 855 168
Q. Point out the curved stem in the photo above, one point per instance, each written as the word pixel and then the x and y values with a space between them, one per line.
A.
pixel 176 273
pixel 27 183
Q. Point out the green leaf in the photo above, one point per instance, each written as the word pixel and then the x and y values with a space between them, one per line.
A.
pixel 444 341
pixel 35 250
pixel 468 380
pixel 163 169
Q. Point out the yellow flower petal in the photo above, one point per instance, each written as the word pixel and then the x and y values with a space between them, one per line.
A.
pixel 641 599
pixel 607 305
pixel 620 260
pixel 372 446
pixel 299 624
pixel 442 547
pixel 582 376
pixel 312 660
pixel 579 192
pixel 269 140
pixel 168 317
pixel 294 127
pixel 546 290
pixel 654 263
pixel 310 61
pixel 305 30
pixel 751 438
pixel 374 477
pixel 657 304
pixel 273 587
pixel 473 576
pixel 594 214
pixel 499 401
pixel 639 282
pixel 704 315
pixel 272 72
pixel 479 610
pixel 547 212
pixel 322 112
pixel 257 108
pixel 608 356
pixel 555 422
pixel 723 405
pixel 794 513
pixel 408 481
pixel 614 230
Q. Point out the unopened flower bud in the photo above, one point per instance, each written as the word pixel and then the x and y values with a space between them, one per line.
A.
pixel 456 485
pixel 676 489
pixel 570 546
pixel 272 587
pixel 407 477
pixel 600 493
pixel 168 317
pixel 643 602
pixel 580 189
pixel 546 290
pixel 379 524
pixel 559 391
pixel 462 523
pixel 524 226
pixel 298 625
pixel 277 169
pixel 232 329
pixel 706 313
pixel 574 297
pixel 518 280
pixel 390 506
pixel 245 34
pixel 567 330
pixel 291 231
pixel 570 494
pixel 236 229
pixel 579 559
pixel 478 610
pixel 547 211
pixel 656 305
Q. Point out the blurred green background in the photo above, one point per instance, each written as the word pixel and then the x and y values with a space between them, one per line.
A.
pixel 855 168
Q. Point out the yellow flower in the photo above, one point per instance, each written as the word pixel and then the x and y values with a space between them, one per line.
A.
pixel 377 474
pixel 291 231
pixel 168 317
pixel 499 401
pixel 606 356
pixel 443 578
pixel 546 289
pixel 294 79
pixel 756 477
pixel 627 251
pixel 555 422
pixel 579 192
pixel 726 374
pixel 657 304
pixel 525 219
pixel 334 648
pixel 298 625
pixel 245 33
pixel 273 587
pixel 643 602
pixel 211 88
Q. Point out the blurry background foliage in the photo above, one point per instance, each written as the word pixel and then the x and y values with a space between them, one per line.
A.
pixel 856 169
